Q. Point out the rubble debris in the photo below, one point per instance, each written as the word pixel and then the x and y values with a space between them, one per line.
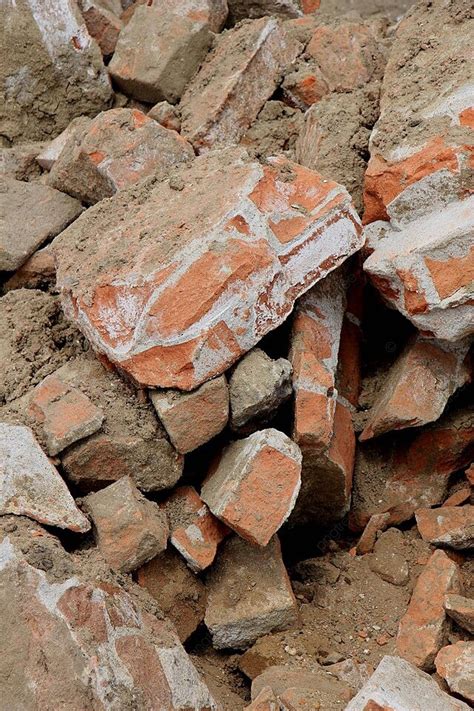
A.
pixel 192 419
pixel 51 152
pixel 375 524
pixel 461 610
pixel 167 115
pixel 31 486
pixel 20 161
pixel 129 529
pixel 455 664
pixel 253 486
pixel 38 272
pixel 386 560
pixel 249 594
pixel 241 9
pixel 102 18
pixel 319 688
pixel 451 526
pixel 45 211
pixel 258 386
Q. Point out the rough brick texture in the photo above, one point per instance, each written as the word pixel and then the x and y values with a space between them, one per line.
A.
pixel 451 526
pixel 455 664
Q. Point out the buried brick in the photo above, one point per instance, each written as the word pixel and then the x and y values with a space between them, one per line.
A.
pixel 249 594
pixel 129 529
pixel 254 485
pixel 455 664
pixel 424 627
pixel 239 243
pixel 451 526
pixel 31 486
pixel 461 610
pixel 116 149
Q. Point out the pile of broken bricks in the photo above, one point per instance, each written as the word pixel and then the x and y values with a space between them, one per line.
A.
pixel 237 265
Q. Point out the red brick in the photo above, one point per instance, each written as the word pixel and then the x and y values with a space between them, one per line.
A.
pixel 102 23
pixel 447 526
pixel 455 664
pixel 37 272
pixel 376 523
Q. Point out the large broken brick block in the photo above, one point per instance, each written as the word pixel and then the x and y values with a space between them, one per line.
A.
pixel 129 529
pixel 397 685
pixel 423 628
pixel 194 531
pixel 179 593
pixel 31 486
pixel 45 212
pixel 249 594
pixel 234 82
pixel 451 526
pixel 102 18
pixel 192 419
pixel 117 149
pixel 87 645
pixel 461 610
pixel 254 485
pixel 455 664
pixel 54 76
pixel 418 386
pixel 64 413
pixel 412 470
pixel 157 53
pixel 239 242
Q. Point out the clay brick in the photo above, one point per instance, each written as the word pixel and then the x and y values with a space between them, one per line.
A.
pixel 166 115
pixel 45 212
pixel 208 291
pixel 180 594
pixel 38 272
pixel 451 526
pixel 461 610
pixel 192 419
pixel 249 594
pixel 64 413
pixel 115 150
pixel 455 664
pixel 418 386
pixel 31 486
pixel 129 530
pixel 157 53
pixel 376 523
pixel 194 531
pixel 234 82
pixel 258 386
pixel 102 18
pixel 397 685
pixel 254 485
pixel 423 628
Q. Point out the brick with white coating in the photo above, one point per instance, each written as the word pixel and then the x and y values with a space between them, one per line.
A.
pixel 455 664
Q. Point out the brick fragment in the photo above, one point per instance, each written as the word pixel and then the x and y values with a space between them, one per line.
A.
pixel 258 386
pixel 423 628
pixel 194 531
pixel 213 285
pixel 64 413
pixel 397 685
pixel 45 212
pixel 265 701
pixel 180 594
pixel 157 53
pixel 31 486
pixel 460 496
pixel 249 594
pixel 451 526
pixel 461 610
pixel 20 161
pixel 254 485
pixel 455 664
pixel 376 523
pixel 51 152
pixel 115 150
pixel 301 689
pixel 129 529
pixel 166 115
pixel 102 18
pixel 38 272
pixel 234 82
pixel 192 419
pixel 418 386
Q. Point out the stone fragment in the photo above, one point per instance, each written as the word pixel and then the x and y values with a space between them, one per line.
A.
pixel 423 628
pixel 20 161
pixel 254 485
pixel 157 53
pixel 57 75
pixel 31 486
pixel 180 594
pixel 82 645
pixel 234 82
pixel 117 149
pixel 451 526
pixel 455 664
pixel 64 413
pixel 258 386
pixel 194 531
pixel 45 212
pixel 241 9
pixel 249 594
pixel 50 154
pixel 411 471
pixel 376 523
pixel 418 386
pixel 461 610
pixel 166 114
pixel 129 529
pixel 239 243
pixel 292 685
pixel 38 272
pixel 387 560
pixel 192 419
pixel 102 18
pixel 398 685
